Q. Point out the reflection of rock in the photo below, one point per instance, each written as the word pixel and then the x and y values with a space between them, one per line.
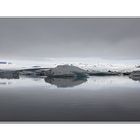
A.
pixel 3 62
pixel 5 83
pixel 108 73
pixel 66 71
pixel 9 75
pixel 65 82
pixel 135 75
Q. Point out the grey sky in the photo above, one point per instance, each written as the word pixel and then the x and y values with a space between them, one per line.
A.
pixel 105 38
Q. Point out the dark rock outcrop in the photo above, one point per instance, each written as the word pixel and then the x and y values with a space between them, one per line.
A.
pixel 108 73
pixel 66 71
pixel 6 74
pixel 135 75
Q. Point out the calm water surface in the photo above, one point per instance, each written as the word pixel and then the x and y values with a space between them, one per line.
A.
pixel 108 98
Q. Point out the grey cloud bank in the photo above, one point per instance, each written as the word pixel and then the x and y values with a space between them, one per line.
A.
pixel 104 38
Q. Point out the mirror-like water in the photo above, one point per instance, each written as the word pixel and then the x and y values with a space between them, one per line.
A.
pixel 98 98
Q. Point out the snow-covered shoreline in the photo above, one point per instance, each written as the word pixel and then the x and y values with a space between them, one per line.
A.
pixel 91 64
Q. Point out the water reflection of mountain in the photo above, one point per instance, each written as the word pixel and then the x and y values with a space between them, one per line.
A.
pixel 65 82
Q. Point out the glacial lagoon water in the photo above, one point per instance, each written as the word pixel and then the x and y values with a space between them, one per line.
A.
pixel 97 98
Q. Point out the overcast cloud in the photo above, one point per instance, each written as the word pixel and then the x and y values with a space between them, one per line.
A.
pixel 104 38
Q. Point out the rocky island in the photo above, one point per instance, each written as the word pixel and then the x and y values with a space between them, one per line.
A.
pixel 8 74
pixel 135 75
pixel 66 71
